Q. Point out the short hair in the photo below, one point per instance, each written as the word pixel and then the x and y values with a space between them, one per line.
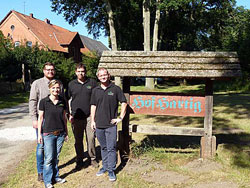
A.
pixel 54 82
pixel 101 69
pixel 80 65
pixel 48 64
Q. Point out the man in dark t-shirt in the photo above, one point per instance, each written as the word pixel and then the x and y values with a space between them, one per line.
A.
pixel 79 93
pixel 104 119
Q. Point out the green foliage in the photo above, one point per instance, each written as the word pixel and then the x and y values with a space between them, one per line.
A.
pixel 11 60
pixel 91 63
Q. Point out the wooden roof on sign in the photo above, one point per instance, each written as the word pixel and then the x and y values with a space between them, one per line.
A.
pixel 171 64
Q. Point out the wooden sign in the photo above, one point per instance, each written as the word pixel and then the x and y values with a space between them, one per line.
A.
pixel 168 104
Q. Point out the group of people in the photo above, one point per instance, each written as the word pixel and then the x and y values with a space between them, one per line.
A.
pixel 89 107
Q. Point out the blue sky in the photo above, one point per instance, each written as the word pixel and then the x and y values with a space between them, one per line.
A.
pixel 43 10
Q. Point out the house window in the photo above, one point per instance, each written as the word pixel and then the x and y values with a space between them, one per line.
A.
pixel 29 43
pixel 17 43
pixel 12 27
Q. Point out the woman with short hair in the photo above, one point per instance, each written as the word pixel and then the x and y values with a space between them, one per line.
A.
pixel 52 130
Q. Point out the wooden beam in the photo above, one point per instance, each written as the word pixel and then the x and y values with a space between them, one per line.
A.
pixel 174 73
pixel 164 130
pixel 207 151
pixel 169 54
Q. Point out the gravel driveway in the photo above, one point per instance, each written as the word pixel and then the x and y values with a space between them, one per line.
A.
pixel 17 138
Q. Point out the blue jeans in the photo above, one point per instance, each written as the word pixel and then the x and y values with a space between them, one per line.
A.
pixel 52 148
pixel 39 156
pixel 107 139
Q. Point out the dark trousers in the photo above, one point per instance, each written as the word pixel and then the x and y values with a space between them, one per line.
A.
pixel 79 127
pixel 107 139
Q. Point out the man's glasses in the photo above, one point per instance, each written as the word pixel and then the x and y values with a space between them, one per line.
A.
pixel 50 70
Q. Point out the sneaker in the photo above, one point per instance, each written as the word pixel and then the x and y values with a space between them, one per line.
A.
pixel 112 176
pixel 60 180
pixel 94 163
pixel 40 177
pixel 101 172
pixel 49 186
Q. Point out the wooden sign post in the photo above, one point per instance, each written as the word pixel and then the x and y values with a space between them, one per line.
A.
pixel 207 66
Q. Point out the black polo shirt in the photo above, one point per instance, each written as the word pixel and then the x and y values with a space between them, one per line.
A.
pixel 106 102
pixel 53 114
pixel 81 94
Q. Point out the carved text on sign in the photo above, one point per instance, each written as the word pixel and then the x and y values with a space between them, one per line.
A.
pixel 168 105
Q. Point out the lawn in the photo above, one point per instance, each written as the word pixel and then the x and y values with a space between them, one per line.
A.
pixel 168 161
pixel 9 100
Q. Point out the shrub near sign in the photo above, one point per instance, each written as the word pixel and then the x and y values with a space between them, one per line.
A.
pixel 166 104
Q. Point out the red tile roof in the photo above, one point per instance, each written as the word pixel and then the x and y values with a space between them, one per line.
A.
pixel 50 35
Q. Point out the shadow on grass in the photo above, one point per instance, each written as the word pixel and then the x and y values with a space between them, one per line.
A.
pixel 237 144
pixel 86 163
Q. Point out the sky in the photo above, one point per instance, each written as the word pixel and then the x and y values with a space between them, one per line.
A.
pixel 42 10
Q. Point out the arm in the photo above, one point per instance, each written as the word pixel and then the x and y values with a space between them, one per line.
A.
pixel 33 102
pixel 40 121
pixel 68 98
pixel 65 124
pixel 92 115
pixel 122 114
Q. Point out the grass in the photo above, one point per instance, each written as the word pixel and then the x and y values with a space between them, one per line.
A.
pixel 10 100
pixel 165 153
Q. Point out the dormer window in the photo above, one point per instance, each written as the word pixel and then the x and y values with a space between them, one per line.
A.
pixel 29 44
pixel 17 43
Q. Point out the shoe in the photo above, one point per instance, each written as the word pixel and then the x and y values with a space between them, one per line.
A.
pixel 94 163
pixel 40 177
pixel 101 172
pixel 60 180
pixel 49 186
pixel 79 166
pixel 112 176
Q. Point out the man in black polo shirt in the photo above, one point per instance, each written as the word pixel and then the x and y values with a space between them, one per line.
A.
pixel 104 119
pixel 79 93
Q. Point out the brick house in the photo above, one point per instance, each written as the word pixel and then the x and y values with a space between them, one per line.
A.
pixel 27 30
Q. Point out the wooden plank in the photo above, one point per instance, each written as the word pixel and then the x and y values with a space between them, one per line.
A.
pixel 173 73
pixel 167 104
pixel 149 59
pixel 166 66
pixel 169 53
pixel 164 130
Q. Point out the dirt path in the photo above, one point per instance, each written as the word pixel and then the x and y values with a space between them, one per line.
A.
pixel 17 138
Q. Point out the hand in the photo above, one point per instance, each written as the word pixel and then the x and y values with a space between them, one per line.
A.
pixel 39 139
pixel 93 126
pixel 116 121
pixel 66 138
pixel 35 124
pixel 71 119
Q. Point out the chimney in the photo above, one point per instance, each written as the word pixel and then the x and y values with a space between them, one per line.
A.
pixel 47 21
pixel 31 15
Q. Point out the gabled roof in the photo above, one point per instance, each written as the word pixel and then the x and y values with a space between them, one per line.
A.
pixel 93 45
pixel 49 35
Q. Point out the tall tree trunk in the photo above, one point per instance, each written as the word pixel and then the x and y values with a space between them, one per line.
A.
pixel 156 26
pixel 146 26
pixel 111 26
pixel 112 34
pixel 156 29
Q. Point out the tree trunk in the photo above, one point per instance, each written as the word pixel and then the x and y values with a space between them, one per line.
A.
pixel 23 77
pixel 156 30
pixel 112 34
pixel 146 26
pixel 156 26
pixel 111 26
